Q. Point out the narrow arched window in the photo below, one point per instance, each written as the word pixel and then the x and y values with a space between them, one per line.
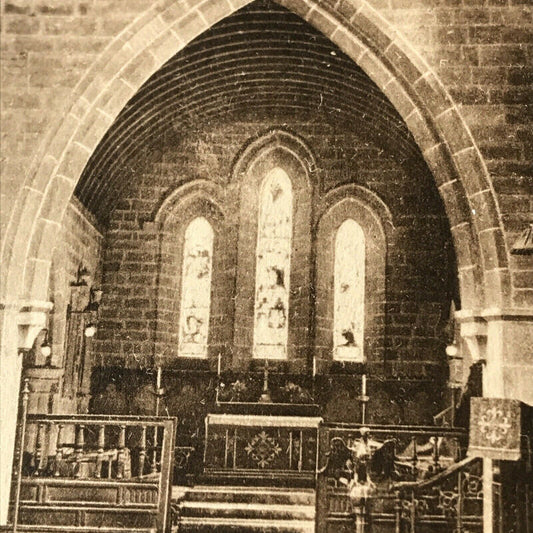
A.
pixel 349 295
pixel 273 261
pixel 196 288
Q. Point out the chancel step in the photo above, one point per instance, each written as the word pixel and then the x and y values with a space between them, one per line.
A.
pixel 63 529
pixel 221 509
pixel 252 494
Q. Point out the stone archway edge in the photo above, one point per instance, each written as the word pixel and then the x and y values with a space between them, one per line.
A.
pixel 166 28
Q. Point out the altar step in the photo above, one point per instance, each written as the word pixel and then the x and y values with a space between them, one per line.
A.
pixel 65 529
pixel 225 509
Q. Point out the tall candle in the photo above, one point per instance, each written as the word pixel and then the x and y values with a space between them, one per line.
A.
pixel 314 366
pixel 158 379
pixel 363 385
pixel 219 364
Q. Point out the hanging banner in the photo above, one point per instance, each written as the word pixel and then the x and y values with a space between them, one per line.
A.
pixel 495 427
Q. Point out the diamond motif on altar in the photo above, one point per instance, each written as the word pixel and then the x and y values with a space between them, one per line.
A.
pixel 263 449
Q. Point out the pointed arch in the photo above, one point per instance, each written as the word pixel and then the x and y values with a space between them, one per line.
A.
pixel 363 34
pixel 280 159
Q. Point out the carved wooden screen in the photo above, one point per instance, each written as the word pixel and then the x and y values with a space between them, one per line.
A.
pixel 349 296
pixel 273 258
pixel 196 288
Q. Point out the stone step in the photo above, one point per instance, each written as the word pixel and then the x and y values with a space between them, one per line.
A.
pixel 79 529
pixel 236 494
pixel 237 509
pixel 242 525
pixel 247 510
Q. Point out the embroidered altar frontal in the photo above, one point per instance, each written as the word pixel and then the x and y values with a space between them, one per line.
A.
pixel 261 446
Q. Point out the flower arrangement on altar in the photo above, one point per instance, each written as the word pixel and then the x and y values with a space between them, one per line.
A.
pixel 237 391
pixel 242 390
pixel 294 393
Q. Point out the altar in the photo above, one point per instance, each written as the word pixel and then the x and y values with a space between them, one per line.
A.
pixel 261 446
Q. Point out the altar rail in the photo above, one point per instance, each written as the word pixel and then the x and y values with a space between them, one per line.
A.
pixel 93 471
pixel 422 481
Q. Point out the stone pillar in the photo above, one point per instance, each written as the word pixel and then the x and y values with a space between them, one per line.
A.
pixel 488 496
pixel 10 368
pixel 503 340
pixel 19 328
pixel 509 354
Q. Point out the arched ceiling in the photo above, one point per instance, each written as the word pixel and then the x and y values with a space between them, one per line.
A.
pixel 263 58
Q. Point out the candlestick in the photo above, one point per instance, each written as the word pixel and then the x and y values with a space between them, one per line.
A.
pixel 363 399
pixel 265 379
pixel 158 379
pixel 265 396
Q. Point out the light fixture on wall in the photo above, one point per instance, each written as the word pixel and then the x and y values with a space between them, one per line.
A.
pixel 90 330
pixel 524 243
pixel 455 364
pixel 451 350
pixel 46 349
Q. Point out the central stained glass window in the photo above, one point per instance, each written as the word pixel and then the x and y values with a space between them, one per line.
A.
pixel 273 262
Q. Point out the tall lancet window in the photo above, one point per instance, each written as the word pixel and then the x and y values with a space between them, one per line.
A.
pixel 349 295
pixel 273 261
pixel 196 288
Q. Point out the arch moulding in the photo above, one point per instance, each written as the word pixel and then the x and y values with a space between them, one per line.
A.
pixel 165 29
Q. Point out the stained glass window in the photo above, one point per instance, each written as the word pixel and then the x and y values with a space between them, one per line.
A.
pixel 349 292
pixel 196 288
pixel 273 257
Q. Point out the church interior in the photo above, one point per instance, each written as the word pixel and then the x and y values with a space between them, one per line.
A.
pixel 267 288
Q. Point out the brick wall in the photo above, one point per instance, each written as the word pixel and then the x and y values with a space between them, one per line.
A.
pixel 140 309
pixel 79 245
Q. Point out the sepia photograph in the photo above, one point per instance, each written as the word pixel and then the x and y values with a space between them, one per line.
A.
pixel 266 266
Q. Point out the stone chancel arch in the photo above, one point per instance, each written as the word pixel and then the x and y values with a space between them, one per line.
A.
pixel 358 30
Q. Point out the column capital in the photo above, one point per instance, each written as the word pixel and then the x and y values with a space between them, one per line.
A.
pixel 32 317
